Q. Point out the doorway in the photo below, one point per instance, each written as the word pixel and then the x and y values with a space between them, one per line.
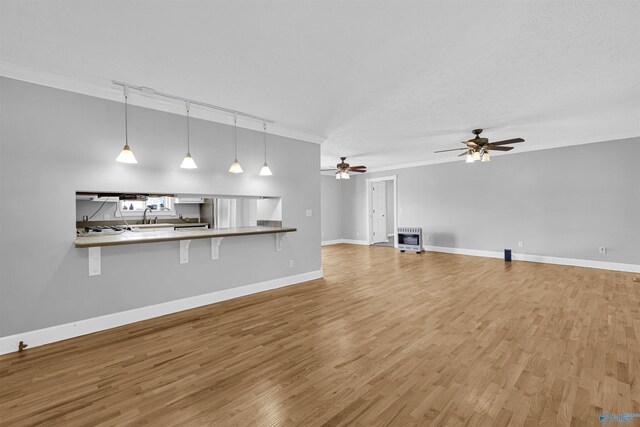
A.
pixel 382 211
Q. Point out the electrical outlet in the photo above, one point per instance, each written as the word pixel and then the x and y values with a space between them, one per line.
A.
pixel 521 244
pixel 309 212
pixel 427 237
pixel 602 250
pixel 290 263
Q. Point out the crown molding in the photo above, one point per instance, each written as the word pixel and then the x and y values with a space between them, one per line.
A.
pixel 105 89
pixel 521 150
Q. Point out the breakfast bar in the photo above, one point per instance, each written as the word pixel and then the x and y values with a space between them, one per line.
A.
pixel 184 235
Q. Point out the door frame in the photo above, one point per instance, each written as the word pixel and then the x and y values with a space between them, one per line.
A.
pixel 369 220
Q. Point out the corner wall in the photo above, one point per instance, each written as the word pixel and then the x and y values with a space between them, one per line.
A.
pixel 331 191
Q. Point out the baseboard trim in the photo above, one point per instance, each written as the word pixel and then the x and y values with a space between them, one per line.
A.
pixel 52 334
pixel 355 242
pixel 345 241
pixel 332 242
pixel 602 265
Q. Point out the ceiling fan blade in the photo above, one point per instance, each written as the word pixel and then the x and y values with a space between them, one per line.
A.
pixel 358 171
pixel 453 149
pixel 326 170
pixel 470 144
pixel 357 167
pixel 463 154
pixel 508 141
pixel 491 147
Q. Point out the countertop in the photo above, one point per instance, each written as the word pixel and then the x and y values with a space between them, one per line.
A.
pixel 133 237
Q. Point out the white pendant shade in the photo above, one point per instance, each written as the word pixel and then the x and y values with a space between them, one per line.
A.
pixel 476 155
pixel 188 162
pixel 265 171
pixel 469 158
pixel 485 157
pixel 126 155
pixel 235 167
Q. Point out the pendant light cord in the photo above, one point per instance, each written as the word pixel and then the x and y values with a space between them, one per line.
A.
pixel 235 135
pixel 264 125
pixel 188 131
pixel 126 124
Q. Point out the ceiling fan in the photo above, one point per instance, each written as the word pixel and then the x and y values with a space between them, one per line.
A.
pixel 478 148
pixel 343 169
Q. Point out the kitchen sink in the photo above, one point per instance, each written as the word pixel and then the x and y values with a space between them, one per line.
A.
pixel 152 227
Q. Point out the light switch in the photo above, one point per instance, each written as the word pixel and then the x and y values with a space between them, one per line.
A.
pixel 309 212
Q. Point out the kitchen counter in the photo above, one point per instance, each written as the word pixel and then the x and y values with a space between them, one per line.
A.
pixel 135 237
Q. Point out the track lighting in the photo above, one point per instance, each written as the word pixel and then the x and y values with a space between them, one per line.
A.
pixel 235 166
pixel 265 171
pixel 188 162
pixel 126 155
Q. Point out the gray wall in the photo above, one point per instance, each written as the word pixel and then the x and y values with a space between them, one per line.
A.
pixel 54 143
pixel 390 213
pixel 331 210
pixel 563 202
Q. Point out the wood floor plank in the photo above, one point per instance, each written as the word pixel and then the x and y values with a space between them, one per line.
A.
pixel 384 339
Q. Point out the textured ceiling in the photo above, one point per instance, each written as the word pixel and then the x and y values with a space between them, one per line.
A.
pixel 386 82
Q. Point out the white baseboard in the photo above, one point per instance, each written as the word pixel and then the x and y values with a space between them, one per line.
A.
pixel 332 242
pixel 345 241
pixel 603 265
pixel 355 242
pixel 40 337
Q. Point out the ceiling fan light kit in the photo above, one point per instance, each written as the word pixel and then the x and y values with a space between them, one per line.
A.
pixel 126 155
pixel 477 148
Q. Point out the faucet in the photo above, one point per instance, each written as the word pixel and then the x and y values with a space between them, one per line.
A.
pixel 144 216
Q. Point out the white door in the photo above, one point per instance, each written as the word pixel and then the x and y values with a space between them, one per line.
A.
pixel 379 212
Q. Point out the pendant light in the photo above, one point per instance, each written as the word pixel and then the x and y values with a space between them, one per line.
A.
pixel 265 171
pixel 485 156
pixel 188 162
pixel 235 166
pixel 126 155
pixel 476 155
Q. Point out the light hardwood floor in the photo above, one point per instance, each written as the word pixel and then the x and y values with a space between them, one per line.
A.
pixel 385 339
